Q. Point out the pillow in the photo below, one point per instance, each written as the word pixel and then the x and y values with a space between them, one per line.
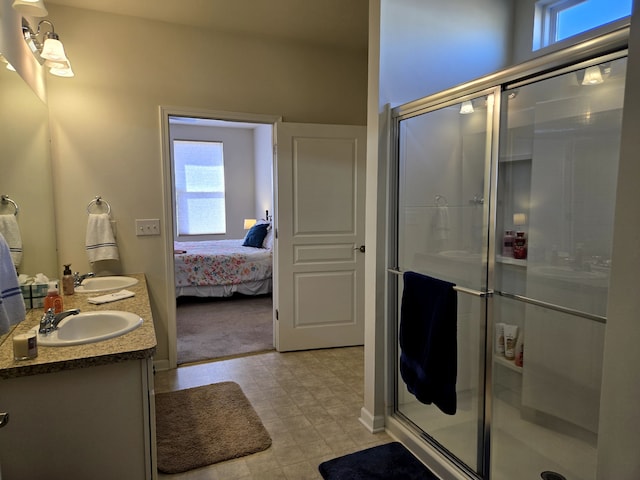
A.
pixel 268 240
pixel 255 235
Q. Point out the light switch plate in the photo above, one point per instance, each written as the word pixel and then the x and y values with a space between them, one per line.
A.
pixel 149 226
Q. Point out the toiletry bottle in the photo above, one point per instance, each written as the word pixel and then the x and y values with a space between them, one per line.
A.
pixel 500 339
pixel 520 246
pixel 507 244
pixel 67 281
pixel 510 338
pixel 53 299
pixel 519 360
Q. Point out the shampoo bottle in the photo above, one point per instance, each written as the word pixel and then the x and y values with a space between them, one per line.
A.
pixel 53 299
pixel 67 281
pixel 507 243
pixel 510 338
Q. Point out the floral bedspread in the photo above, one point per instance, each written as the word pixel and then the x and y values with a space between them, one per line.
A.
pixel 220 262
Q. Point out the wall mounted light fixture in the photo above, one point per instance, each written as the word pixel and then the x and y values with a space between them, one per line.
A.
pixel 49 50
pixel 33 8
pixel 594 75
pixel 466 107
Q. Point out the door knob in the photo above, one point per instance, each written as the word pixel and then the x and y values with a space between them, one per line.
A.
pixel 4 419
pixel 361 248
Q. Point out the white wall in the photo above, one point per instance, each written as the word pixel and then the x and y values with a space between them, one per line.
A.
pixel 105 122
pixel 429 46
pixel 263 138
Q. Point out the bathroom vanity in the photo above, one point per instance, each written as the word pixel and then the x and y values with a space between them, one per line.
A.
pixel 82 411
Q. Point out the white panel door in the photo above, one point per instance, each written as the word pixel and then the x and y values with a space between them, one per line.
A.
pixel 319 267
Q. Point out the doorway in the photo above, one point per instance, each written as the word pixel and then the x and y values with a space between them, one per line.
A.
pixel 311 244
pixel 246 166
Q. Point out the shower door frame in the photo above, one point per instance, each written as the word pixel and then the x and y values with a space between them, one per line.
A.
pixel 577 56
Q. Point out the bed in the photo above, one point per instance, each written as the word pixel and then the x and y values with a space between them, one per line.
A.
pixel 220 268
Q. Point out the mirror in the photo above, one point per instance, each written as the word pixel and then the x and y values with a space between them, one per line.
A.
pixel 25 168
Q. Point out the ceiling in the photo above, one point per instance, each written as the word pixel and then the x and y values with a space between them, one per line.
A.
pixel 327 22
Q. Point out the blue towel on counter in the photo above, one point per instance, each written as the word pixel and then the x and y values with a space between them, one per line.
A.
pixel 12 308
pixel 428 340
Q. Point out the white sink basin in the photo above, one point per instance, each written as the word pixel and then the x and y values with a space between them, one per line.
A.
pixel 101 284
pixel 90 327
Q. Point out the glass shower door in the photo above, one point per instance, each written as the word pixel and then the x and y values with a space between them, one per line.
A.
pixel 444 156
pixel 558 166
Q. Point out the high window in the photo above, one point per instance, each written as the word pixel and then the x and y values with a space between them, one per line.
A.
pixel 199 187
pixel 557 20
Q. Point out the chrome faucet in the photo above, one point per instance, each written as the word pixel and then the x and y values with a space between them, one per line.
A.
pixel 78 279
pixel 49 321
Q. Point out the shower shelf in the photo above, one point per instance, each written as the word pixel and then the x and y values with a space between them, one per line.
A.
pixel 511 261
pixel 507 363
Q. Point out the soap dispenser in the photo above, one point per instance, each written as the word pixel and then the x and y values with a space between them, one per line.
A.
pixel 67 281
pixel 53 299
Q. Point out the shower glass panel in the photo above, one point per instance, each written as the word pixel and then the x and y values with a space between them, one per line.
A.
pixel 442 232
pixel 557 171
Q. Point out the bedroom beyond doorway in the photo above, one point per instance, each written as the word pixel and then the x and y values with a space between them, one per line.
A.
pixel 221 172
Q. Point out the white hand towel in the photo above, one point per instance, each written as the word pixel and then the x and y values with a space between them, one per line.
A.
pixel 12 309
pixel 442 223
pixel 111 297
pixel 11 231
pixel 100 242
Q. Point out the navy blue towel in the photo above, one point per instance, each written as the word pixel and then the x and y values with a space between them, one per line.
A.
pixel 428 343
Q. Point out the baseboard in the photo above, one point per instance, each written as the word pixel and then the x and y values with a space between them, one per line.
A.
pixel 374 424
pixel 161 365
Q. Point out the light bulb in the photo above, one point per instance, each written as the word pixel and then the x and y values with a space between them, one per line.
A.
pixel 466 107
pixel 592 76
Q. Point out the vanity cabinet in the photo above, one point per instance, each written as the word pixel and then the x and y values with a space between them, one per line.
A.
pixel 81 411
pixel 94 422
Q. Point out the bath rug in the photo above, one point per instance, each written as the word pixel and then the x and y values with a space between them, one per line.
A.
pixel 205 425
pixel 391 461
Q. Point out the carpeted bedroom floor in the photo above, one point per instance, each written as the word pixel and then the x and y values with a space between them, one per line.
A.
pixel 214 328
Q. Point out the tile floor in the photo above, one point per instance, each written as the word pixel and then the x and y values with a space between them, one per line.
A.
pixel 308 401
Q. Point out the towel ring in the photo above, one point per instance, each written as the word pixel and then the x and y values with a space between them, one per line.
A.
pixel 441 201
pixel 98 201
pixel 5 199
